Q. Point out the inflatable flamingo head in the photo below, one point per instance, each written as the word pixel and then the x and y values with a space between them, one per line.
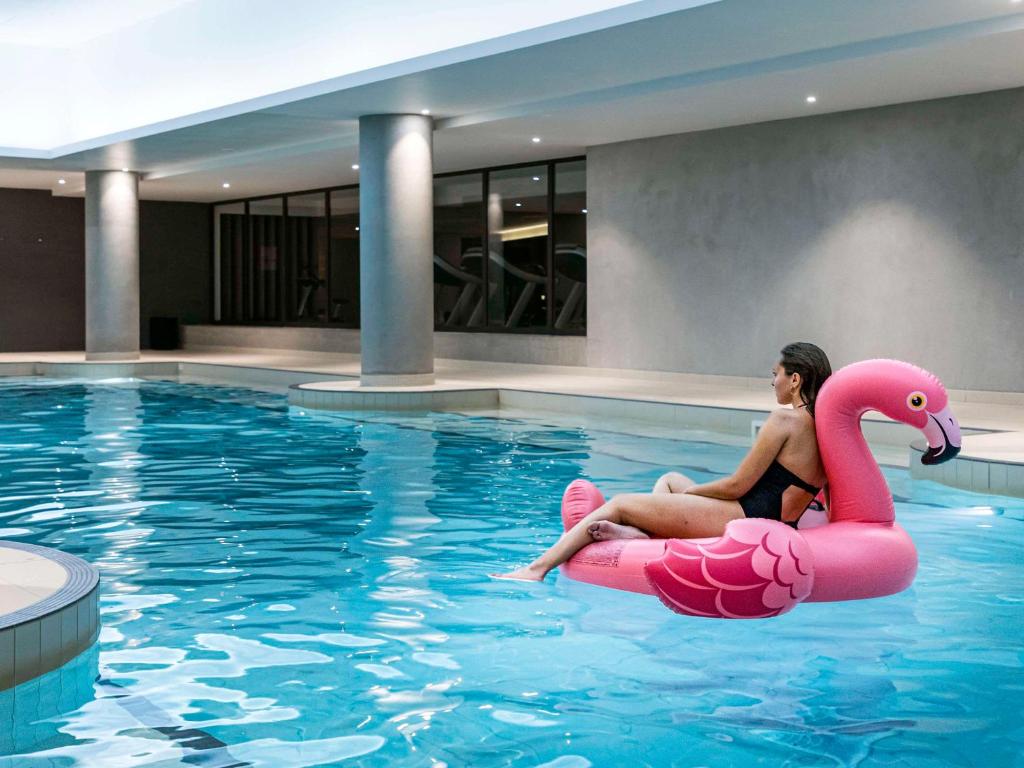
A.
pixel 904 393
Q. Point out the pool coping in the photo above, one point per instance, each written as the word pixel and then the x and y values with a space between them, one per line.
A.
pixel 49 632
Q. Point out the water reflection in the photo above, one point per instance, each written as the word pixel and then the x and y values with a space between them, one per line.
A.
pixel 399 538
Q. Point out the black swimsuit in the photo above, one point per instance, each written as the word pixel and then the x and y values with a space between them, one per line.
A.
pixel 765 498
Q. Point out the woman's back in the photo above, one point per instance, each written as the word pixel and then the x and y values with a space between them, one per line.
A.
pixel 799 454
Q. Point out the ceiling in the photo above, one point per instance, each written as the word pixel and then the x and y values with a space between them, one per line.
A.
pixel 64 23
pixel 705 66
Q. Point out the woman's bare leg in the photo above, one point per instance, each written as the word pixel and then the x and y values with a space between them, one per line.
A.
pixel 664 516
pixel 673 482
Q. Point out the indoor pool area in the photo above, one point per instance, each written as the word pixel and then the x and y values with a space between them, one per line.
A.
pixel 590 384
pixel 287 588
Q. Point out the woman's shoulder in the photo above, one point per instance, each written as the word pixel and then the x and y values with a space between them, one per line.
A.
pixel 792 420
pixel 784 416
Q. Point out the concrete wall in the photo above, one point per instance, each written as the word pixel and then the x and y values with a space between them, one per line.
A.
pixel 42 268
pixel 493 347
pixel 888 232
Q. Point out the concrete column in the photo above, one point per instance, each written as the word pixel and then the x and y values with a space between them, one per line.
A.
pixel 111 265
pixel 396 246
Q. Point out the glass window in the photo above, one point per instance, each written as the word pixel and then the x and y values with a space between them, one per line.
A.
pixel 266 232
pixel 305 269
pixel 229 247
pixel 517 227
pixel 570 257
pixel 343 288
pixel 458 231
pixel 294 258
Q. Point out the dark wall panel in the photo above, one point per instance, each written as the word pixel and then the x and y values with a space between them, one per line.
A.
pixel 42 268
pixel 42 271
pixel 175 262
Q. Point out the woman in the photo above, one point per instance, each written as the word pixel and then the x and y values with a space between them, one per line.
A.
pixel 778 479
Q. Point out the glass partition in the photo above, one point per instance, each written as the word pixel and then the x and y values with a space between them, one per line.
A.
pixel 517 234
pixel 343 288
pixel 305 273
pixel 458 231
pixel 570 253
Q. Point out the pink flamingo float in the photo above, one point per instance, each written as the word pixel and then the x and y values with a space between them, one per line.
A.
pixel 762 568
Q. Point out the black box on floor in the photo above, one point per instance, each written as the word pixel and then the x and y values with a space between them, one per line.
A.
pixel 163 333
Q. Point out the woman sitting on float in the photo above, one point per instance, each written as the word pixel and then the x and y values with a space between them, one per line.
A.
pixel 757 567
pixel 777 480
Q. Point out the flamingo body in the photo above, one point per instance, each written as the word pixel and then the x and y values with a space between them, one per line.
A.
pixel 763 568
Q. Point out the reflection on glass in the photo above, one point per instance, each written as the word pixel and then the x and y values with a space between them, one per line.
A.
pixel 305 278
pixel 517 225
pixel 458 230
pixel 343 290
pixel 570 259
pixel 229 247
pixel 266 227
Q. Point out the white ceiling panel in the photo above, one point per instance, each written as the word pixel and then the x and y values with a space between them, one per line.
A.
pixel 725 63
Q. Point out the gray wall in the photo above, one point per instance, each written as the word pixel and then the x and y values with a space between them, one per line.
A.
pixel 494 347
pixel 888 232
pixel 42 268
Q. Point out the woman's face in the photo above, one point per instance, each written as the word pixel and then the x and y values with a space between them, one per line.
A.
pixel 785 386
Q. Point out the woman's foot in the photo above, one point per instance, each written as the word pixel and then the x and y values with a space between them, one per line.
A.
pixel 520 574
pixel 604 530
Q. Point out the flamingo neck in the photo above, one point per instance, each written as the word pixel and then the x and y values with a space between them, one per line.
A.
pixel 857 490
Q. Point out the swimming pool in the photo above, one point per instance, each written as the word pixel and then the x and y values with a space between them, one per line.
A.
pixel 288 589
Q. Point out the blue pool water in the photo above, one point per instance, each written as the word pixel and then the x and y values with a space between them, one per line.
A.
pixel 288 589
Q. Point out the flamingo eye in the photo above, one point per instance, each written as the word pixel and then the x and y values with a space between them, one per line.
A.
pixel 916 401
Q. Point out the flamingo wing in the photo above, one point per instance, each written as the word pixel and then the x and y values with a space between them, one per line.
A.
pixel 755 570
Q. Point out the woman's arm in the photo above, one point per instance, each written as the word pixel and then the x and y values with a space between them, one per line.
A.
pixel 770 439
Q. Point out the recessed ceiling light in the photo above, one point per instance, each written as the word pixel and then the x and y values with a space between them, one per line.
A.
pixel 424 111
pixel 355 166
pixel 519 205
pixel 535 139
pixel 536 178
pixel 357 229
pixel 226 185
pixel 812 99
pixel 61 181
pixel 584 210
pixel 124 170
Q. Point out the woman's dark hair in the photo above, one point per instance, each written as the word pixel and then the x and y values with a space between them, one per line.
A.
pixel 811 363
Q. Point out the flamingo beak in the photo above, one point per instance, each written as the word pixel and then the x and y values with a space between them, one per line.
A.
pixel 943 434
